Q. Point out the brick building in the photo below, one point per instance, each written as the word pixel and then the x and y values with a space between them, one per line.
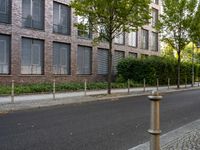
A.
pixel 39 43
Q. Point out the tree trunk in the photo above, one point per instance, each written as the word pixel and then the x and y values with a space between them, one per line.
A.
pixel 110 67
pixel 178 69
pixel 193 65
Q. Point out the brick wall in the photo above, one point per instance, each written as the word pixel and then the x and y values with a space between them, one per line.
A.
pixel 16 31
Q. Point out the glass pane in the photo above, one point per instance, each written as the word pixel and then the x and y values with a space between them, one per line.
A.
pixel 2 52
pixel 3 6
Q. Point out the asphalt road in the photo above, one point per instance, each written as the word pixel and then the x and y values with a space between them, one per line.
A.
pixel 105 125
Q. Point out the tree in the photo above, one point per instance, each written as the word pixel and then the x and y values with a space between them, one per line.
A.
pixel 110 18
pixel 194 34
pixel 174 24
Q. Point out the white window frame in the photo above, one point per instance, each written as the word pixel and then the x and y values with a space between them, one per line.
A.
pixel 130 39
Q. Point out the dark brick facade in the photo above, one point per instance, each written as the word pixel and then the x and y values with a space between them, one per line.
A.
pixel 16 31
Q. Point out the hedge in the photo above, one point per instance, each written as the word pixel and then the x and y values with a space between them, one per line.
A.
pixel 154 67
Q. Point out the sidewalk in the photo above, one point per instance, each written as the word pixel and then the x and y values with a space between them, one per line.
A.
pixel 183 138
pixel 45 100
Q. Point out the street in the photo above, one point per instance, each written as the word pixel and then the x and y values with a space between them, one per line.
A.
pixel 117 124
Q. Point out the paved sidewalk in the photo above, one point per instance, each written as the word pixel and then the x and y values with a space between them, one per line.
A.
pixel 183 138
pixel 45 100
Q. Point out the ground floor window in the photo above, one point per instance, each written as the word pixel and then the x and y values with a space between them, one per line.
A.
pixel 84 60
pixel 118 55
pixel 4 54
pixel 102 61
pixel 32 56
pixel 61 58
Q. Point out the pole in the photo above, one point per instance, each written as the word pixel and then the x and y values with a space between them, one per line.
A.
pixel 85 87
pixel 144 85
pixel 128 86
pixel 157 84
pixel 12 91
pixel 54 89
pixel 186 82
pixel 155 121
pixel 168 83
pixel 193 65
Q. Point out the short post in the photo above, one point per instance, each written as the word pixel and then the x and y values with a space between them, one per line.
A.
pixel 157 84
pixel 185 82
pixel 85 87
pixel 128 86
pixel 12 91
pixel 54 89
pixel 155 121
pixel 168 83
pixel 198 82
pixel 144 85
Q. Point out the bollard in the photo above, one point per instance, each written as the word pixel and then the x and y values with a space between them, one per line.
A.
pixel 185 82
pixel 12 91
pixel 144 85
pixel 155 121
pixel 168 83
pixel 54 89
pixel 198 82
pixel 85 88
pixel 157 84
pixel 128 86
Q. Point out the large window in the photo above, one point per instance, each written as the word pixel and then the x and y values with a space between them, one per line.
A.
pixel 32 56
pixel 5 11
pixel 154 17
pixel 133 55
pixel 118 55
pixel 4 54
pixel 102 61
pixel 61 58
pixel 154 42
pixel 84 60
pixel 61 18
pixel 33 14
pixel 132 39
pixel 84 28
pixel 120 38
pixel 144 39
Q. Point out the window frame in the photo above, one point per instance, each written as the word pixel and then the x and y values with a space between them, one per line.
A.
pixel 156 40
pixel 136 39
pixel 69 17
pixel 41 58
pixel 30 17
pixel 146 42
pixel 68 63
pixel 7 14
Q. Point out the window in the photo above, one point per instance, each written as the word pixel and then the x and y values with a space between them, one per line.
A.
pixel 61 18
pixel 5 11
pixel 84 28
pixel 120 38
pixel 118 55
pixel 156 1
pixel 61 58
pixel 4 54
pixel 154 42
pixel 133 55
pixel 132 40
pixel 144 56
pixel 32 56
pixel 84 60
pixel 102 61
pixel 154 17
pixel 144 39
pixel 33 14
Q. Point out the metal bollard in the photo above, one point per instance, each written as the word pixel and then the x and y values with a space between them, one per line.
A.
pixel 54 89
pixel 185 82
pixel 198 83
pixel 168 83
pixel 157 84
pixel 144 85
pixel 128 86
pixel 85 87
pixel 155 121
pixel 12 91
